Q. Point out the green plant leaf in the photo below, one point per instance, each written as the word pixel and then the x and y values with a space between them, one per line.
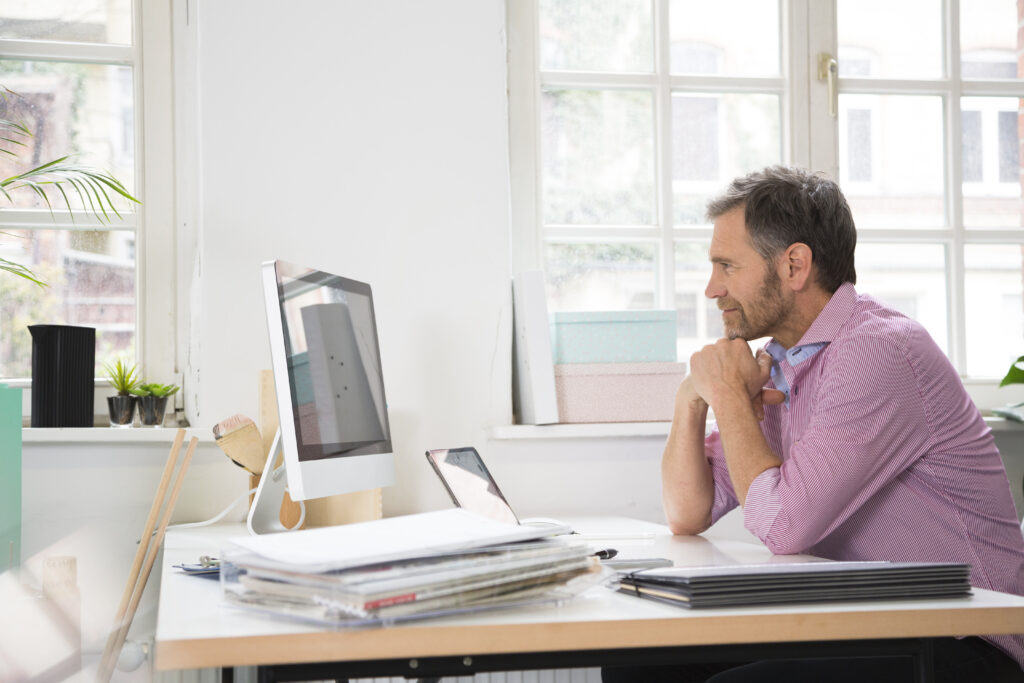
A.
pixel 155 389
pixel 1015 375
pixel 122 376
pixel 20 271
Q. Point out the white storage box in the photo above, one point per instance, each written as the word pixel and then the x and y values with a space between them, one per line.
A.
pixel 617 392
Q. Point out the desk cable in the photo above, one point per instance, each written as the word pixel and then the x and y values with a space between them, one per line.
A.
pixel 223 513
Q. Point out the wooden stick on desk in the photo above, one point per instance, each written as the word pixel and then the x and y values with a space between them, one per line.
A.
pixel 149 547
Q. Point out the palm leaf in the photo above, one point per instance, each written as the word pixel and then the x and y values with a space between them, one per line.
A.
pixel 20 271
pixel 93 187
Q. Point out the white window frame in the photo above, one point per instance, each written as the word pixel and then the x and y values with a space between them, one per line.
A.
pixel 153 221
pixel 953 236
pixel 525 82
pixel 810 139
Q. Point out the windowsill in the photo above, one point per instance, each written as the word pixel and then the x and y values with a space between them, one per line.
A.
pixel 611 430
pixel 581 431
pixel 641 429
pixel 110 435
pixel 1001 424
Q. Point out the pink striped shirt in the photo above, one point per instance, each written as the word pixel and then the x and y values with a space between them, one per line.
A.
pixel 884 455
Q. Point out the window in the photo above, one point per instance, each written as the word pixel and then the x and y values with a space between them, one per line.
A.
pixel 74 72
pixel 643 110
pixel 941 222
pixel 627 117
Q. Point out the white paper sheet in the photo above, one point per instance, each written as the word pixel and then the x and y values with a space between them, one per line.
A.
pixel 383 540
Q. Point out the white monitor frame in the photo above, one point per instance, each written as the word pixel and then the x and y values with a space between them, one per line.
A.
pixel 327 476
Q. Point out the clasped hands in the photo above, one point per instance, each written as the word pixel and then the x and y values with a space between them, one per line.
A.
pixel 729 367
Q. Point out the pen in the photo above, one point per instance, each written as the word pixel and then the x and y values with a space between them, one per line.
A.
pixel 606 554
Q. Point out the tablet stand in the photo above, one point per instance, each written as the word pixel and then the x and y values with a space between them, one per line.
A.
pixel 265 511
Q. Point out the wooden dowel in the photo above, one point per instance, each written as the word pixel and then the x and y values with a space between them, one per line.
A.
pixel 153 551
pixel 140 553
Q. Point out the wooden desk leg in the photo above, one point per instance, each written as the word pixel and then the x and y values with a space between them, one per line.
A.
pixel 924 662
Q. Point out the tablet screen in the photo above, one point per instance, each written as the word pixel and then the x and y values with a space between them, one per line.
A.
pixel 470 484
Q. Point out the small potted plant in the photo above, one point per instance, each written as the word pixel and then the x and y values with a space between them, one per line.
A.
pixel 152 399
pixel 124 379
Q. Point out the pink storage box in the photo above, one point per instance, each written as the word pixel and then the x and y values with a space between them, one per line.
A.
pixel 617 392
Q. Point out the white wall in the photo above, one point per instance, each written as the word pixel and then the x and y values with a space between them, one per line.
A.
pixel 370 140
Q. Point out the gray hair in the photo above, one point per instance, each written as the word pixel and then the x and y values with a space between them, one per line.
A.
pixel 784 205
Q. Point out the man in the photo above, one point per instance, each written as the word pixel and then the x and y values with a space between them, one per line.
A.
pixel 869 447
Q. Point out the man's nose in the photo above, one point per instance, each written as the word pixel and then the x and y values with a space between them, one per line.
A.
pixel 714 290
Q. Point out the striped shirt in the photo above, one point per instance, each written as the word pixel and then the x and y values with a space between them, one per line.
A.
pixel 884 455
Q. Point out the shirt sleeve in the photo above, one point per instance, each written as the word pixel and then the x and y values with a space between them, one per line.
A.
pixel 866 428
pixel 725 498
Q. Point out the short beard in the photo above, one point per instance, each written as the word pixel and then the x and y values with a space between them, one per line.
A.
pixel 767 312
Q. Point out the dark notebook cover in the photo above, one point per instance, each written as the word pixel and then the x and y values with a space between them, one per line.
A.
pixel 738 585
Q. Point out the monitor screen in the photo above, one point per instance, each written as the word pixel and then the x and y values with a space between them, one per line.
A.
pixel 335 434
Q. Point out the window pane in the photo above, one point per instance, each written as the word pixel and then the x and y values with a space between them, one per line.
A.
pixel 988 39
pixel 698 320
pixel 992 287
pixel 601 277
pixel 707 38
pixel 886 39
pixel 82 108
pixel 79 21
pixel 91 282
pixel 909 277
pixel 991 162
pixel 597 150
pixel 596 36
pixel 716 137
pixel 895 143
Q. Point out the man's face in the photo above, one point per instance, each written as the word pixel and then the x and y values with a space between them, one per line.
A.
pixel 749 290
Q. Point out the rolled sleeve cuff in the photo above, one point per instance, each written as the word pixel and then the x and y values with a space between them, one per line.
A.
pixel 762 504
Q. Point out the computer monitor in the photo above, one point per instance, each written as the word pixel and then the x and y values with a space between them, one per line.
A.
pixel 333 420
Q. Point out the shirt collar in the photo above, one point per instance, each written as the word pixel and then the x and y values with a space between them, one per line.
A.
pixel 833 316
pixel 823 330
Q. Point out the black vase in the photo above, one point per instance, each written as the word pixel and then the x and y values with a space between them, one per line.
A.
pixel 122 410
pixel 151 410
pixel 63 375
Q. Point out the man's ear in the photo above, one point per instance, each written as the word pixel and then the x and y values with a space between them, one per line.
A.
pixel 796 266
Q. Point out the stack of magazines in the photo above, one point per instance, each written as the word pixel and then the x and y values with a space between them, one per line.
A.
pixel 740 585
pixel 455 565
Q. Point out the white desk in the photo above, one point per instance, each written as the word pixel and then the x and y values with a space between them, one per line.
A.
pixel 195 629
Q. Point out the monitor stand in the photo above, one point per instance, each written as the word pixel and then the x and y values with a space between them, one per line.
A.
pixel 265 512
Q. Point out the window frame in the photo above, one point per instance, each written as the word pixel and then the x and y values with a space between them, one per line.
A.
pixel 810 138
pixel 152 221
pixel 528 234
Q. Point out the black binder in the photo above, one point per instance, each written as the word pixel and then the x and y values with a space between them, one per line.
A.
pixel 747 585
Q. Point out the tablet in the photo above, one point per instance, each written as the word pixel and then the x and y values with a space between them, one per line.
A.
pixel 470 484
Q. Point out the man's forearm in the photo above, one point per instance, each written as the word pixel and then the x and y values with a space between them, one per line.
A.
pixel 687 485
pixel 747 453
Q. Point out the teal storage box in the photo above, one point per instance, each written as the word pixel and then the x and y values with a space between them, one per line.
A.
pixel 641 336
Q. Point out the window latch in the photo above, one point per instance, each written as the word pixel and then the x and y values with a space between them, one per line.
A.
pixel 828 70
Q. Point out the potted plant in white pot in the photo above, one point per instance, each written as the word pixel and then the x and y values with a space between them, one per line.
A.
pixel 121 406
pixel 152 399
